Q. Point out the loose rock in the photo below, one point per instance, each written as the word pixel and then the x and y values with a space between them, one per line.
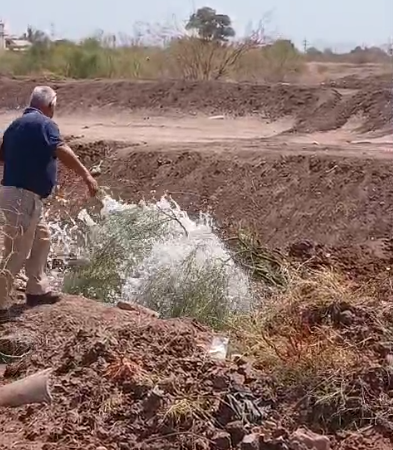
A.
pixel 125 306
pixel 310 440
pixel 250 442
pixel 221 441
pixel 237 432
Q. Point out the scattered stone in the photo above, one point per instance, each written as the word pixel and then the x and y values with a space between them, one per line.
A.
pixel 154 400
pixel 237 432
pixel 125 306
pixel 269 424
pixel 96 170
pixel 279 432
pixel 389 360
pixel 237 379
pixel 310 440
pixel 250 442
pixel 221 441
pixel 219 380
pixel 248 372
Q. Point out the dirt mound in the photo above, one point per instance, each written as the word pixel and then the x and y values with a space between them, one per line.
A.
pixel 91 375
pixel 329 200
pixel 313 108
pixel 126 380
pixel 375 106
pixel 190 97
pixel 355 82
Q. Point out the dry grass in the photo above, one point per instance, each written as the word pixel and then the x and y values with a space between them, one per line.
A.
pixel 282 336
pixel 321 340
pixel 325 341
pixel 123 368
pixel 186 409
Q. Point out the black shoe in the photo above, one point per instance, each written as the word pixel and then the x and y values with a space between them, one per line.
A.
pixel 50 298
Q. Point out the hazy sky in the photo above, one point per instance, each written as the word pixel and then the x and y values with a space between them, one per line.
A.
pixel 335 22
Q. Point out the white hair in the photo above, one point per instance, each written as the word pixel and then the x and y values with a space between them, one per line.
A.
pixel 43 96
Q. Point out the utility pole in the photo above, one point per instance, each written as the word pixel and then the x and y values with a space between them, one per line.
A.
pixel 305 45
pixel 52 32
pixel 2 36
pixel 390 47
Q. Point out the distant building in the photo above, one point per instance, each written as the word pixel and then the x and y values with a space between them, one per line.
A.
pixel 9 42
pixel 17 44
pixel 2 36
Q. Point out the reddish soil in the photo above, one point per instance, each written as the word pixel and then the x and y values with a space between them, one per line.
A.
pixel 126 380
pixel 372 441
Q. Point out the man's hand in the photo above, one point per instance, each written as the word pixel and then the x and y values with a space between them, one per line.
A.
pixel 92 185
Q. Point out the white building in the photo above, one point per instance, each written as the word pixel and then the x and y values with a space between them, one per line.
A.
pixel 2 36
pixel 9 42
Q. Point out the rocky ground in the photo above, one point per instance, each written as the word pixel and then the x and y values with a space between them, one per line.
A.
pixel 125 380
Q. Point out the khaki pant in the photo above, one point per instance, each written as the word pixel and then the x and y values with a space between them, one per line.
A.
pixel 26 241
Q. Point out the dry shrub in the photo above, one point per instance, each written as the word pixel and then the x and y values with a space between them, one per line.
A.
pixel 284 335
pixel 182 57
pixel 276 62
pixel 8 61
pixel 357 56
pixel 199 59
pixel 268 268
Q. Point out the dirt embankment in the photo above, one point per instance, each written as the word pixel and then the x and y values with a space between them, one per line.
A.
pixel 124 380
pixel 355 82
pixel 313 108
pixel 330 200
pixel 339 209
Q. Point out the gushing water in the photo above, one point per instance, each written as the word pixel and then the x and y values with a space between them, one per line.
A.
pixel 153 254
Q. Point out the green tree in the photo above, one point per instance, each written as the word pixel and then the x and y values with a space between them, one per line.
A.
pixel 211 26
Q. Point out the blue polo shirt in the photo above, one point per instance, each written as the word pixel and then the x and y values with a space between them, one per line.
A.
pixel 29 153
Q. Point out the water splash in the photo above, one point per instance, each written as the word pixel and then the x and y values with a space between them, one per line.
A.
pixel 163 259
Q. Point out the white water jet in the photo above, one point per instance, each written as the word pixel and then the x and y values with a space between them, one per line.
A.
pixel 163 259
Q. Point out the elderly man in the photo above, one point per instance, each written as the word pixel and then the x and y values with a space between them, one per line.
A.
pixel 29 152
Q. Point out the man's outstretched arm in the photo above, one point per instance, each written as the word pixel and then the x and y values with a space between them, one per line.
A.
pixel 63 152
pixel 72 162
